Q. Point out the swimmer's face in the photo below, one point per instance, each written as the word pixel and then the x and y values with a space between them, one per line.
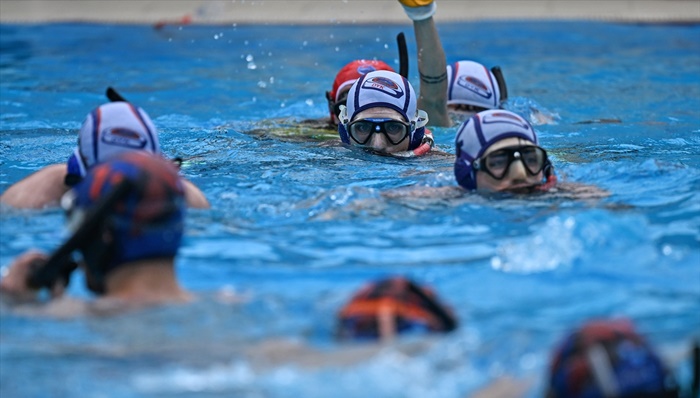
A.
pixel 381 142
pixel 460 112
pixel 516 178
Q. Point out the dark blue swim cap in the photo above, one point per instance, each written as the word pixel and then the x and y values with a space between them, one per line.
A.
pixel 147 221
pixel 413 309
pixel 606 359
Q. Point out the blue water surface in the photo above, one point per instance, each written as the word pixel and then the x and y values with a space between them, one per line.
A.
pixel 297 227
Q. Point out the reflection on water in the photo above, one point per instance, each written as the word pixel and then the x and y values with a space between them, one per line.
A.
pixel 298 225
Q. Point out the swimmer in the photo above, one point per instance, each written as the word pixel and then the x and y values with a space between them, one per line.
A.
pixel 385 308
pixel 127 218
pixel 497 151
pixel 600 359
pixel 608 359
pixel 324 129
pixel 110 129
pixel 381 115
pixel 454 92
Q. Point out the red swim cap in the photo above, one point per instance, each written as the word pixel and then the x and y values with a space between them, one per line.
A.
pixel 352 71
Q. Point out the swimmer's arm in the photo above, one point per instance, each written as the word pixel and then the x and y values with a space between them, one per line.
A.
pixel 13 285
pixel 432 67
pixel 504 387
pixel 579 191
pixel 194 196
pixel 41 189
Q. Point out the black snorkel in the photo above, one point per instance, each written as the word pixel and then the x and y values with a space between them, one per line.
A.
pixel 403 55
pixel 447 319
pixel 501 81
pixel 114 96
pixel 695 383
pixel 60 264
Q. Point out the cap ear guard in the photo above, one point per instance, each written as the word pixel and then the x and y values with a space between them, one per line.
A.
pixel 342 123
pixel 75 169
pixel 418 129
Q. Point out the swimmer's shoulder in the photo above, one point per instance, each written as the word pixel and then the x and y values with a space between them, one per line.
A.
pixel 40 189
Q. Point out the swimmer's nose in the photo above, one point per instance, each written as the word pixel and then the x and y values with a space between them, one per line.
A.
pixel 517 170
pixel 378 142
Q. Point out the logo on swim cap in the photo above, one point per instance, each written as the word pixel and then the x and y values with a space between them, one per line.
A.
pixel 123 137
pixel 385 85
pixel 504 117
pixel 474 85
pixel 365 69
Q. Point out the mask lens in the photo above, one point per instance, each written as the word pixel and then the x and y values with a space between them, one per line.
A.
pixel 395 131
pixel 497 163
pixel 361 130
pixel 533 158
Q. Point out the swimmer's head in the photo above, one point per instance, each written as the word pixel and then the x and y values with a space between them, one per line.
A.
pixel 608 359
pixel 145 220
pixel 497 150
pixel 392 306
pixel 107 131
pixel 471 88
pixel 381 114
pixel 345 78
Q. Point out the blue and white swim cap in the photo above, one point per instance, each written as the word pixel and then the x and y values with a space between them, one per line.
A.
pixel 471 83
pixel 384 89
pixel 479 132
pixel 109 130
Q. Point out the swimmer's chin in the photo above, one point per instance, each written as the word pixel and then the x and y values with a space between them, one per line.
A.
pixel 520 189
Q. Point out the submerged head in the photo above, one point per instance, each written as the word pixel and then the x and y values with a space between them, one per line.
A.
pixel 472 88
pixel 140 205
pixel 109 130
pixel 497 150
pixel 381 114
pixel 608 359
pixel 345 78
pixel 392 306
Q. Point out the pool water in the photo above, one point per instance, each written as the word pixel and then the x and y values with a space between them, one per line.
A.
pixel 297 227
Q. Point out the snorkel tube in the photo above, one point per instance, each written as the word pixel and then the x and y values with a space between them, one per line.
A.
pixel 60 264
pixel 501 81
pixel 403 55
pixel 114 96
pixel 422 149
